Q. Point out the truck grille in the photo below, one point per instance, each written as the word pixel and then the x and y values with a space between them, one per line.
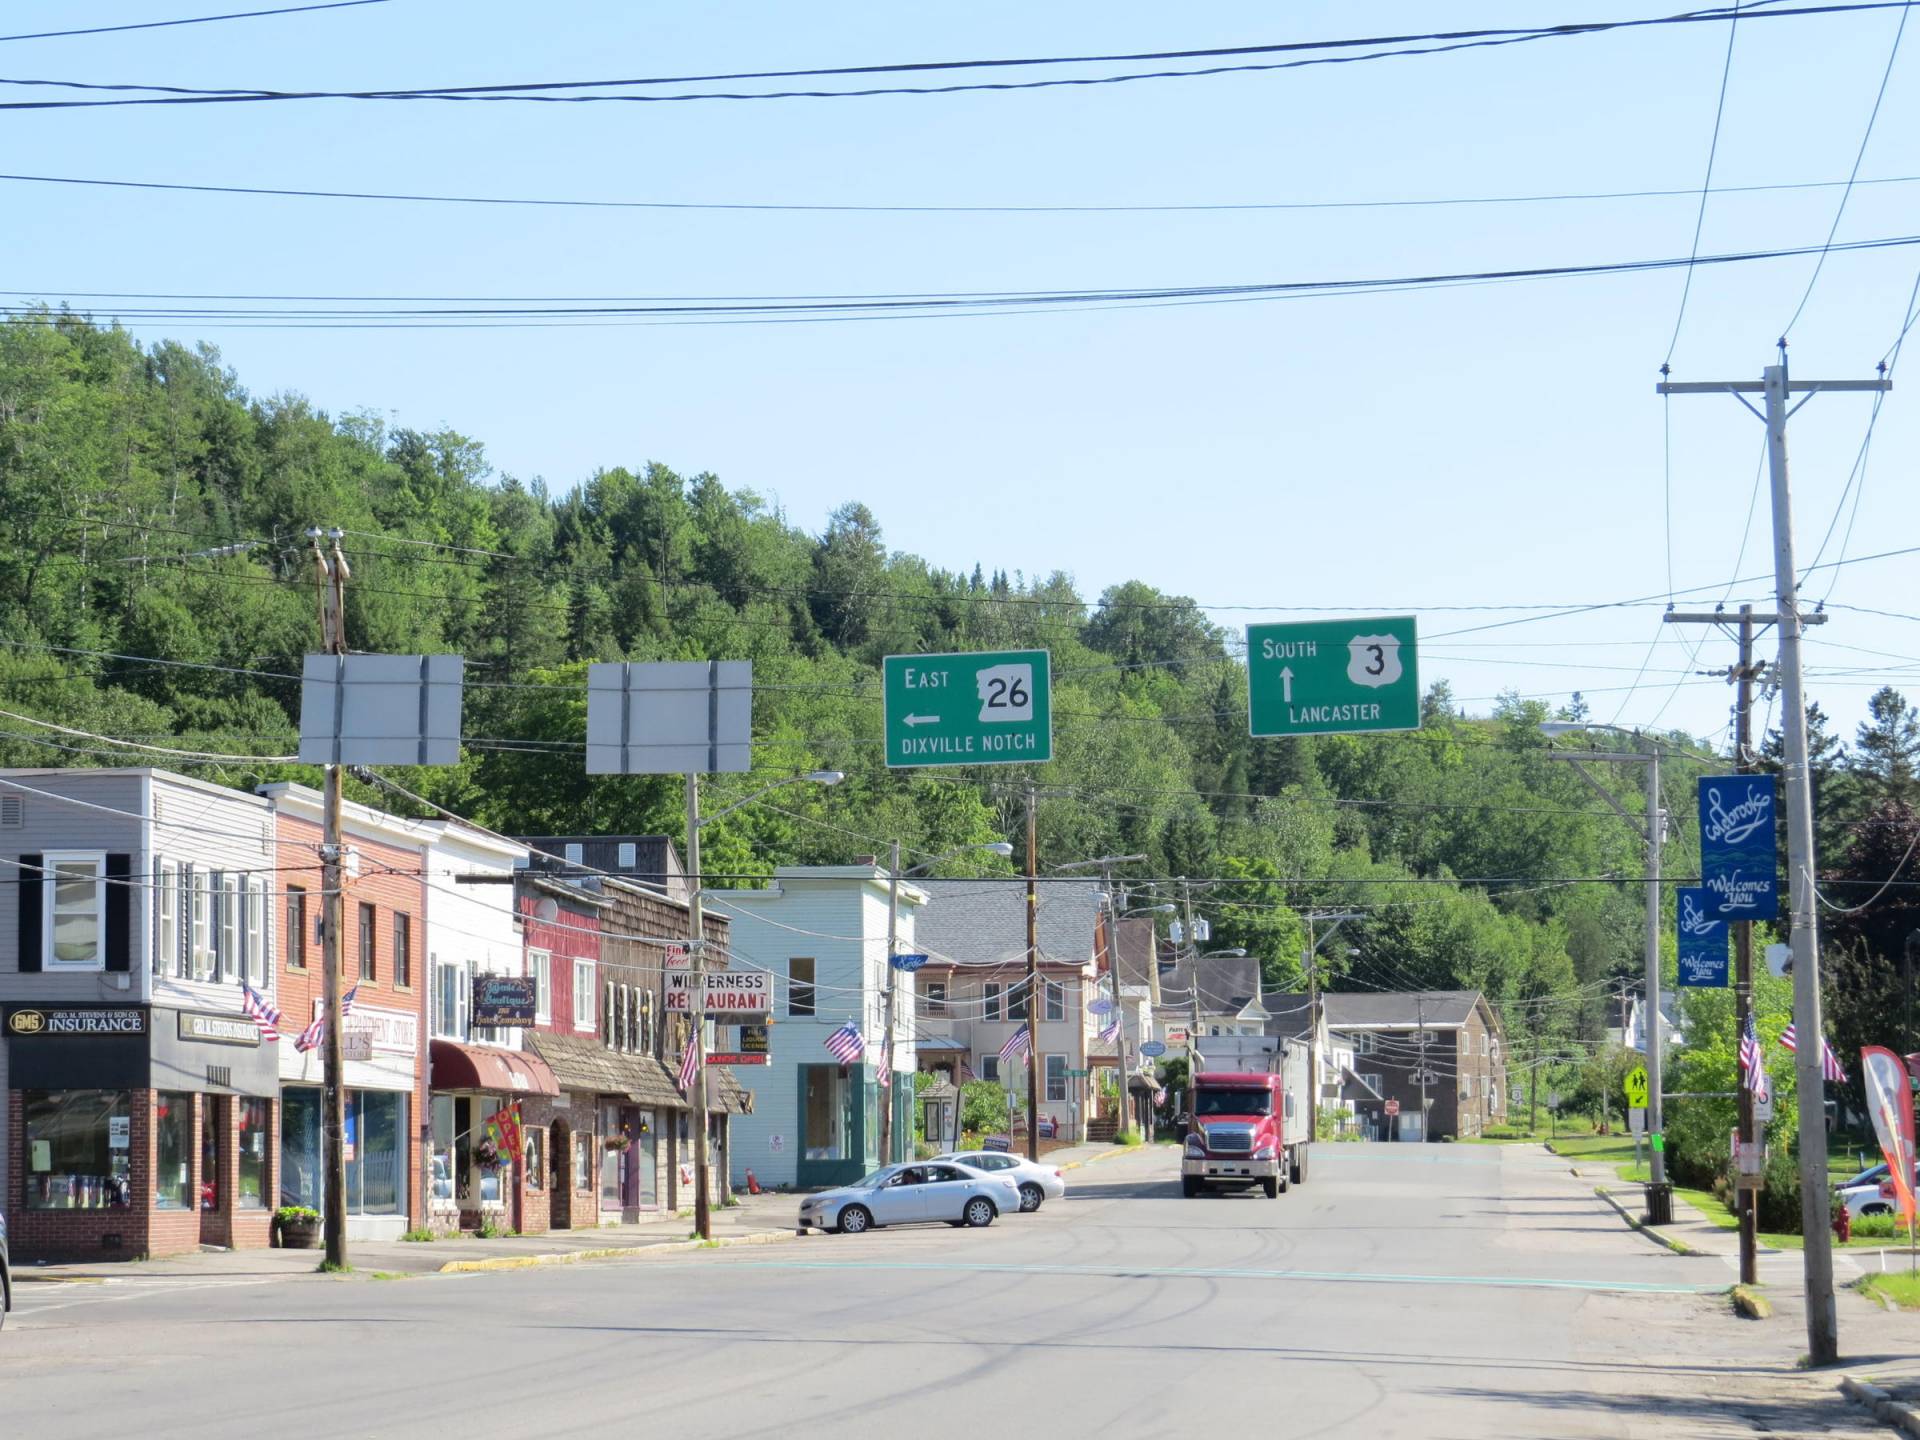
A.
pixel 1230 1139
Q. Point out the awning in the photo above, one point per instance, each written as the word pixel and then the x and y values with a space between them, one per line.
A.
pixel 473 1067
pixel 924 1044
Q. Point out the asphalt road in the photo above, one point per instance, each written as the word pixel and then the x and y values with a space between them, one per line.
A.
pixel 1431 1291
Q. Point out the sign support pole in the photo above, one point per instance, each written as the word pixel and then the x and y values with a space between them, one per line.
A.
pixel 1033 976
pixel 1823 1323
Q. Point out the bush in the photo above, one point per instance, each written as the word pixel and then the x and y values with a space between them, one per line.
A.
pixel 1128 1137
pixel 1879 1227
pixel 420 1235
pixel 296 1214
pixel 983 1107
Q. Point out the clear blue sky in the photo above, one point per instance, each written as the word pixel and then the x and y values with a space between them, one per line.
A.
pixel 1483 445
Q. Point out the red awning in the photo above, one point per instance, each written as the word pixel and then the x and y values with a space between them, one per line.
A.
pixel 475 1067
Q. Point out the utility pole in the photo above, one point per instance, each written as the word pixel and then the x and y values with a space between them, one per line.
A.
pixel 697 1012
pixel 1033 976
pixel 886 1023
pixel 1313 1035
pixel 1742 674
pixel 1823 1325
pixel 1193 1028
pixel 331 572
pixel 1420 1019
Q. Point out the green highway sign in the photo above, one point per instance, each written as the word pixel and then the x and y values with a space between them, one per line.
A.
pixel 1333 677
pixel 991 708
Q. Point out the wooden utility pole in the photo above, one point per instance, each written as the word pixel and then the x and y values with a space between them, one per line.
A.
pixel 331 572
pixel 1033 976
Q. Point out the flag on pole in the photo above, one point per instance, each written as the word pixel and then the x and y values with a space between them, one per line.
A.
pixel 689 1064
pixel 310 1038
pixel 1016 1046
pixel 346 1001
pixel 1787 1041
pixel 884 1076
pixel 1830 1065
pixel 846 1044
pixel 261 1011
pixel 1110 1029
pixel 1753 1060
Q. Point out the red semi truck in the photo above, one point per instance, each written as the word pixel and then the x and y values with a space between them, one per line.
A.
pixel 1245 1128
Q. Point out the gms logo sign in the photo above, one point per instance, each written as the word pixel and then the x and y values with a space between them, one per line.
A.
pixel 26 1022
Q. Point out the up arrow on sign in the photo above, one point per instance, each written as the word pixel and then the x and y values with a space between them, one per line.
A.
pixel 1333 677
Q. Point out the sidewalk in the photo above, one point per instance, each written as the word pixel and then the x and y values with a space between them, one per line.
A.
pixel 758 1219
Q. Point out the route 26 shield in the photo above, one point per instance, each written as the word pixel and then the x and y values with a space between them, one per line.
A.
pixel 1373 660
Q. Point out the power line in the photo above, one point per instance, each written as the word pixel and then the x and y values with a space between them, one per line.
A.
pixel 550 92
pixel 191 20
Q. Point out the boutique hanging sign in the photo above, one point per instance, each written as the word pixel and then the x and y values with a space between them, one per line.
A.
pixel 1739 862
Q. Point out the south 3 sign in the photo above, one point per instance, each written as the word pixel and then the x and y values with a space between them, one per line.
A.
pixel 1739 862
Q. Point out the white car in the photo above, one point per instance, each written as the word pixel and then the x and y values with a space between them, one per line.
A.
pixel 920 1193
pixel 1038 1183
pixel 1869 1192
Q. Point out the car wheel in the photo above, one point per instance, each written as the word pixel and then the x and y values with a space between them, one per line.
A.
pixel 854 1219
pixel 979 1213
pixel 1030 1197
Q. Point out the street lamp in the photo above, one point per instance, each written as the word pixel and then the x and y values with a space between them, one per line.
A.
pixel 1659 1196
pixel 697 972
pixel 894 875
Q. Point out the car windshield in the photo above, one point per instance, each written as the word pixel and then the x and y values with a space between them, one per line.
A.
pixel 1232 1102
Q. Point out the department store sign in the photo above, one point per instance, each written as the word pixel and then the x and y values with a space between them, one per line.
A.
pixel 28 1022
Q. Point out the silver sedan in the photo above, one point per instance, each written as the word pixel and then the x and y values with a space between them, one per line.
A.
pixel 921 1193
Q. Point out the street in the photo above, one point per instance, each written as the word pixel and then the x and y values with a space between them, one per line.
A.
pixel 1443 1290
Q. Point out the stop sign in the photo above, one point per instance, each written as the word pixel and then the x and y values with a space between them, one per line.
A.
pixel 1393 1108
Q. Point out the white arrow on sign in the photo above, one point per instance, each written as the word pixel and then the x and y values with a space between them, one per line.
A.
pixel 921 719
pixel 1286 684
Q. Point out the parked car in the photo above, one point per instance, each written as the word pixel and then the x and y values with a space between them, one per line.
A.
pixel 1871 1192
pixel 922 1193
pixel 1038 1183
pixel 6 1274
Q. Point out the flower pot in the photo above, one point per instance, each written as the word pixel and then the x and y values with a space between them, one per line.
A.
pixel 299 1234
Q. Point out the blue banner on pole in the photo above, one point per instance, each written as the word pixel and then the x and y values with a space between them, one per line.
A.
pixel 1739 862
pixel 1703 939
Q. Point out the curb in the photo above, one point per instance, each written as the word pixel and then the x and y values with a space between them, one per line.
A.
pixel 1104 1155
pixel 617 1252
pixel 1751 1303
pixel 1882 1406
pixel 1678 1247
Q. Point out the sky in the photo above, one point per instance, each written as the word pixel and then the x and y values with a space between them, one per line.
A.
pixel 1449 453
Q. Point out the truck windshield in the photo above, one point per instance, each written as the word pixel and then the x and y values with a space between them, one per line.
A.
pixel 1232 1102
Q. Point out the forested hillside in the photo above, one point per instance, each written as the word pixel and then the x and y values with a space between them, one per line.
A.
pixel 156 586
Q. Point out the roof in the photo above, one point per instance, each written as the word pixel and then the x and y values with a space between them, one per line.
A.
pixel 1287 1013
pixel 581 1062
pixel 1436 1009
pixel 984 922
pixel 1228 983
pixel 1133 951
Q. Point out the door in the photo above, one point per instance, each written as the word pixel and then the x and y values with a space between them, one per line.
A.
pixel 898 1201
pixel 646 1158
pixel 945 1195
pixel 560 1176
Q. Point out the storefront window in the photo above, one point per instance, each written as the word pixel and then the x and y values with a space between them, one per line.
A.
pixel 375 1121
pixel 210 1153
pixel 78 1147
pixel 583 1162
pixel 301 1168
pixel 536 1158
pixel 484 1109
pixel 173 1144
pixel 825 1137
pixel 253 1155
pixel 611 1194
pixel 441 1182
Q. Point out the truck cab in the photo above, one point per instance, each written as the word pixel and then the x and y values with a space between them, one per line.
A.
pixel 1242 1131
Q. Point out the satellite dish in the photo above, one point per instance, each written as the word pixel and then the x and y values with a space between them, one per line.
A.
pixel 546 908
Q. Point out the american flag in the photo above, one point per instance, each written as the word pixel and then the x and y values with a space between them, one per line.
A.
pixel 1786 1039
pixel 884 1077
pixel 311 1037
pixel 846 1044
pixel 1753 1062
pixel 689 1064
pixel 261 1011
pixel 1830 1065
pixel 346 1001
pixel 1110 1029
pixel 1016 1045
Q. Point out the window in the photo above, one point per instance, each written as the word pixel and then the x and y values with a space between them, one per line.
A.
pixel 256 898
pixel 1056 1000
pixel 450 999
pixel 583 995
pixel 173 1151
pixel 623 1019
pixel 536 1157
pixel 628 856
pixel 79 1149
pixel 990 1068
pixel 1056 1077
pixel 1466 1087
pixel 824 1099
pixel 76 903
pixel 202 901
pixel 210 1196
pixel 645 1043
pixel 252 1154
pixel 227 912
pixel 166 929
pixel 1372 1082
pixel 368 967
pixel 990 1000
pixel 583 1160
pixel 1018 995
pixel 576 853
pixel 800 987
pixel 402 950
pixel 296 927
pixel 936 993
pixel 540 965
pixel 1363 1043
pixel 607 1016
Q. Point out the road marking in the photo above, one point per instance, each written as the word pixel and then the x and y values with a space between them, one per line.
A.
pixel 1208 1272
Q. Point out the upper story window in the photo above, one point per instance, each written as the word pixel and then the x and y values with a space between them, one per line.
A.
pixel 800 987
pixel 226 897
pixel 200 907
pixel 990 1000
pixel 254 894
pixel 403 950
pixel 368 963
pixel 1363 1043
pixel 540 966
pixel 166 914
pixel 296 927
pixel 1056 1000
pixel 576 853
pixel 935 992
pixel 452 992
pixel 629 856
pixel 76 908
pixel 583 1008
pixel 1018 998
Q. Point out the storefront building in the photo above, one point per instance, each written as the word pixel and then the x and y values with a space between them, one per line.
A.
pixel 383 965
pixel 141 1103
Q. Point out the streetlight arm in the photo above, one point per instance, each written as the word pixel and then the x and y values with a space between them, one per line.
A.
pixel 815 777
pixel 1605 794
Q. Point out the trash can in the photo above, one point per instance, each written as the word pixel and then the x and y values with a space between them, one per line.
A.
pixel 1659 1203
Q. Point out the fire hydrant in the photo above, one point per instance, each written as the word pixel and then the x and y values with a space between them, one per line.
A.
pixel 1843 1224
